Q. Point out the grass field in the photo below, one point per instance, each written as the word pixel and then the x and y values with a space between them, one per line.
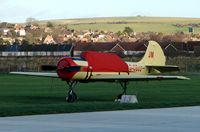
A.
pixel 25 95
pixel 139 24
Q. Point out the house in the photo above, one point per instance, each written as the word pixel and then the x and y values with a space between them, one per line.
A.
pixel 117 48
pixel 62 39
pixel 195 37
pixel 4 31
pixel 8 39
pixel 31 27
pixel 133 48
pixel 136 48
pixel 18 27
pixel 49 40
pixel 22 32
pixel 48 30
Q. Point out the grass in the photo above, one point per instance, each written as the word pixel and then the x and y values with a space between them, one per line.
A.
pixel 25 95
pixel 139 24
pixel 138 27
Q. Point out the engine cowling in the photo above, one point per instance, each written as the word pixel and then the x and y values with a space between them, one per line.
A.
pixel 73 68
pixel 63 68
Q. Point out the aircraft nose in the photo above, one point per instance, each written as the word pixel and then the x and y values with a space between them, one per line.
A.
pixel 64 69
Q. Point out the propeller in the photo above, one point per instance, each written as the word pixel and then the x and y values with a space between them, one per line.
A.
pixel 71 68
pixel 72 50
pixel 48 67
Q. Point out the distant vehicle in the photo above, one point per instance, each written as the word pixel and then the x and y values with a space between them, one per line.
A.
pixel 108 67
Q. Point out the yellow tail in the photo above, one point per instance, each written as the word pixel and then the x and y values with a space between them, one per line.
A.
pixel 154 55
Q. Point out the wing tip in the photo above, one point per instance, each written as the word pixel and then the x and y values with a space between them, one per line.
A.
pixel 183 78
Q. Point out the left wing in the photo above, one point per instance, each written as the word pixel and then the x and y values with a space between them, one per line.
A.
pixel 136 77
pixel 42 74
pixel 109 77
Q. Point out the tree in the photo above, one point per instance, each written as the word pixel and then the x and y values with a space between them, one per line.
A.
pixel 31 21
pixel 29 37
pixel 3 25
pixel 6 42
pixel 128 30
pixel 66 26
pixel 1 41
pixel 24 41
pixel 119 33
pixel 49 24
pixel 12 33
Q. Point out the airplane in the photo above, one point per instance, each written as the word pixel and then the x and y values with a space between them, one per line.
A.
pixel 94 66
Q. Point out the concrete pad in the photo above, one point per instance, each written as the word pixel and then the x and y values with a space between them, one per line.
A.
pixel 182 119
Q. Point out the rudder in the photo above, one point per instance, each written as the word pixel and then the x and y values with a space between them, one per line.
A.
pixel 154 55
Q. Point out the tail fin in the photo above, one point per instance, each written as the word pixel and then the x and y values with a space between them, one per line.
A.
pixel 154 55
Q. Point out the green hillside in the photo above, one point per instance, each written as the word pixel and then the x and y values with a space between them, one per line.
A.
pixel 139 24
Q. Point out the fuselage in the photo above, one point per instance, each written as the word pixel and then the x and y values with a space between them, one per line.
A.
pixel 81 70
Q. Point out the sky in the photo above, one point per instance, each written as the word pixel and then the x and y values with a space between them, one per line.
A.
pixel 20 10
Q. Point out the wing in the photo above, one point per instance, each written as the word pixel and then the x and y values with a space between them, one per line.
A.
pixel 42 74
pixel 136 77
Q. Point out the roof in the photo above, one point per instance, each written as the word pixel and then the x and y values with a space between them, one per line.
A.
pixel 94 46
pixel 42 47
pixel 109 46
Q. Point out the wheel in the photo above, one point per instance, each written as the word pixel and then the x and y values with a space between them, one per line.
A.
pixel 119 96
pixel 72 97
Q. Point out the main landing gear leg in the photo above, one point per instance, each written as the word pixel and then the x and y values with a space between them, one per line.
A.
pixel 71 94
pixel 124 86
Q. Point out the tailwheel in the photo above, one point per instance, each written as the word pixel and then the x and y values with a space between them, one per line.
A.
pixel 72 97
pixel 124 86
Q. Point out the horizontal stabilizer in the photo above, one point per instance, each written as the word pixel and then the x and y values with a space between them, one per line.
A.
pixel 167 68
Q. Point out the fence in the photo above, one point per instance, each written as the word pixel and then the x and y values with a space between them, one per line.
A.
pixel 7 64
pixel 34 53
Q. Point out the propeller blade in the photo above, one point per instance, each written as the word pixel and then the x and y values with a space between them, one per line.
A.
pixel 48 67
pixel 71 68
pixel 72 50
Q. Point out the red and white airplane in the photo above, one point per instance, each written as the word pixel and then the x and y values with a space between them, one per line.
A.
pixel 108 67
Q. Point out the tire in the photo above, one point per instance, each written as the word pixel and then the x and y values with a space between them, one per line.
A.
pixel 119 96
pixel 72 97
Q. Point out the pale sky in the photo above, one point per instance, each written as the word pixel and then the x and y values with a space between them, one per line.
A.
pixel 19 10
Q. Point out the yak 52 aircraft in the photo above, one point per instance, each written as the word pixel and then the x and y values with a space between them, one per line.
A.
pixel 108 67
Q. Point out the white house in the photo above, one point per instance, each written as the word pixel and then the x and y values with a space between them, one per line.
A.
pixel 22 32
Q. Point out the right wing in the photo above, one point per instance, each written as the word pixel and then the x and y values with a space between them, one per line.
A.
pixel 136 77
pixel 110 77
pixel 42 74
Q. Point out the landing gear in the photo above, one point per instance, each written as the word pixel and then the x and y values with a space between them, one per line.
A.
pixel 124 86
pixel 72 97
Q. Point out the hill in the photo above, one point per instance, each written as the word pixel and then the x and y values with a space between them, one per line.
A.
pixel 139 24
